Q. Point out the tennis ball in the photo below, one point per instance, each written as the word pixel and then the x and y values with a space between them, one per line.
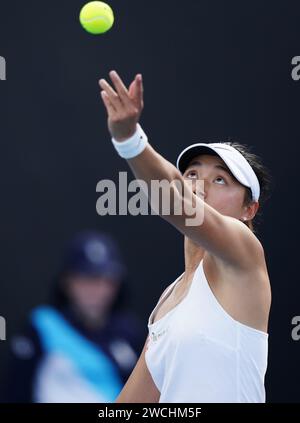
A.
pixel 96 17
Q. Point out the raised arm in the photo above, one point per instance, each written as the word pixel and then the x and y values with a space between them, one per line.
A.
pixel 222 236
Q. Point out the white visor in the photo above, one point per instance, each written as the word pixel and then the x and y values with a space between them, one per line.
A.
pixel 234 160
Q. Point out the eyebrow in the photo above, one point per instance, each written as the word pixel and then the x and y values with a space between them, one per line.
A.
pixel 218 166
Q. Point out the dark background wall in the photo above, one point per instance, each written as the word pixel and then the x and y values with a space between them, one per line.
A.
pixel 212 70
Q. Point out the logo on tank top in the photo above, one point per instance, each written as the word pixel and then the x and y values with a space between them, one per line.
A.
pixel 158 335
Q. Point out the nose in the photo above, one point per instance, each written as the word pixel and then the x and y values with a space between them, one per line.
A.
pixel 202 194
pixel 200 191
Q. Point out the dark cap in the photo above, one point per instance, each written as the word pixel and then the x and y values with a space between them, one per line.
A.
pixel 94 254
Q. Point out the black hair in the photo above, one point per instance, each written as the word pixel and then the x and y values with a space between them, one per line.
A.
pixel 264 179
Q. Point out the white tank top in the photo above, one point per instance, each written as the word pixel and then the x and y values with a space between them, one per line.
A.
pixel 198 353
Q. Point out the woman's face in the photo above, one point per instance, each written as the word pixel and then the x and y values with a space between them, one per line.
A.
pixel 221 190
pixel 92 296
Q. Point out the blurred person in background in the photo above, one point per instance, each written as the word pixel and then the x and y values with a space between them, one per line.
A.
pixel 81 347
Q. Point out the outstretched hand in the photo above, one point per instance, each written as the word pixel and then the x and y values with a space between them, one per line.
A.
pixel 124 106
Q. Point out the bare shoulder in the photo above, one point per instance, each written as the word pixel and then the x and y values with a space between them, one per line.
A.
pixel 244 290
pixel 140 387
pixel 249 250
pixel 251 267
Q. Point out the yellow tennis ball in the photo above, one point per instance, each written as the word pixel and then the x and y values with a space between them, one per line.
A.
pixel 96 17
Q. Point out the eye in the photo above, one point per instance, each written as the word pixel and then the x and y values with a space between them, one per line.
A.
pixel 221 178
pixel 192 174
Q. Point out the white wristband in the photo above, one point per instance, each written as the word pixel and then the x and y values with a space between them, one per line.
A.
pixel 133 146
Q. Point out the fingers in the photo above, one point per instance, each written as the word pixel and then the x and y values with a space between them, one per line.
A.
pixel 140 90
pixel 120 88
pixel 109 107
pixel 120 94
pixel 136 91
pixel 116 99
pixel 119 85
pixel 112 95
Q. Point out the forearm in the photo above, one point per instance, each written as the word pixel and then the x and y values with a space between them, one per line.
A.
pixel 124 109
pixel 164 183
pixel 150 165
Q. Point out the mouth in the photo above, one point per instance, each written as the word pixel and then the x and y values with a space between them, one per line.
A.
pixel 199 194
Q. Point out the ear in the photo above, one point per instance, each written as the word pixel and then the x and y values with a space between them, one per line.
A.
pixel 250 211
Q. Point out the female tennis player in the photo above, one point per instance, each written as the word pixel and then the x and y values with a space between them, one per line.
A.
pixel 208 339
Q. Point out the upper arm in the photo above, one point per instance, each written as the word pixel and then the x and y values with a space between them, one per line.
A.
pixel 223 236
pixel 139 387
